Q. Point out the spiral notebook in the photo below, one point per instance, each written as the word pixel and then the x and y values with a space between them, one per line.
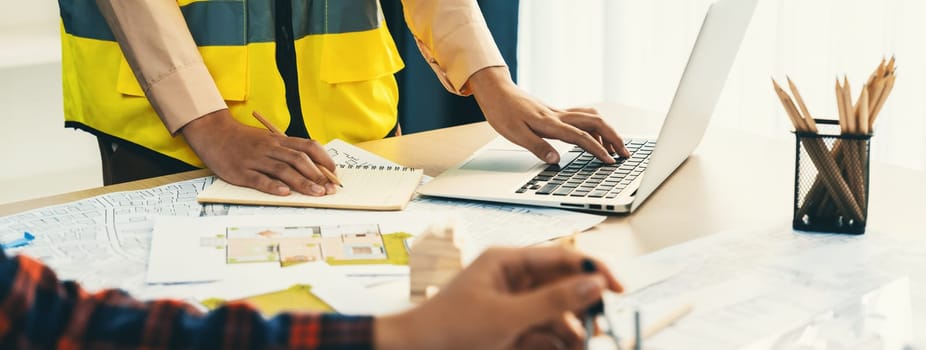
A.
pixel 365 187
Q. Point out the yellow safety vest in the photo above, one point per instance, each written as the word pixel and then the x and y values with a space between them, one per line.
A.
pixel 346 64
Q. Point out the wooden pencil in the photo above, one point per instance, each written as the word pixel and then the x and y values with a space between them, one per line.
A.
pixel 877 88
pixel 790 109
pixel 851 126
pixel 863 112
pixel 861 150
pixel 851 153
pixel 841 107
pixel 888 87
pixel 808 118
pixel 273 130
pixel 270 127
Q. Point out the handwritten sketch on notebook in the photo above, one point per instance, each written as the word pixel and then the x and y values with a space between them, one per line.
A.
pixel 366 187
pixel 344 153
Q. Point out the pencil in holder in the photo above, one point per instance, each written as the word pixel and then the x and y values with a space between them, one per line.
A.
pixel 831 180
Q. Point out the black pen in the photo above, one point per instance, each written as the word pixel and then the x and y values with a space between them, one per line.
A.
pixel 638 336
pixel 591 315
pixel 588 266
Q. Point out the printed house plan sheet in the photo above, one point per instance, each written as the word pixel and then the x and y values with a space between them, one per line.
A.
pixel 191 250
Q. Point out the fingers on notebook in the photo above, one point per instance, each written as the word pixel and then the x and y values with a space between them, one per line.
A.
pixel 296 180
pixel 261 182
pixel 301 163
pixel 314 150
pixel 307 158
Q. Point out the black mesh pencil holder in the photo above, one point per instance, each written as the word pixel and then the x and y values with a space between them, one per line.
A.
pixel 831 180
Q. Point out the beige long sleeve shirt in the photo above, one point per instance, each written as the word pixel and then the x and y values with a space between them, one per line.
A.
pixel 451 34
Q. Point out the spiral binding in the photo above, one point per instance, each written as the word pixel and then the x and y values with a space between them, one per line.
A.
pixel 376 167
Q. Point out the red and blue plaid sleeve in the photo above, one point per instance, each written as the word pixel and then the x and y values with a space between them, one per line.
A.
pixel 39 312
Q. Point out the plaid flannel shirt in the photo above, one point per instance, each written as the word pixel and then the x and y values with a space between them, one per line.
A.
pixel 37 311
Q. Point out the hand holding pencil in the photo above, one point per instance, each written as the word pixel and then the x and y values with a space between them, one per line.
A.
pixel 273 129
pixel 328 174
pixel 252 157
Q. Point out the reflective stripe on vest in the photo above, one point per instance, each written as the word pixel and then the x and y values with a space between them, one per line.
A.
pixel 346 64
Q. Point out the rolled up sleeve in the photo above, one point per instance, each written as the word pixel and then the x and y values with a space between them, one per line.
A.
pixel 454 38
pixel 159 48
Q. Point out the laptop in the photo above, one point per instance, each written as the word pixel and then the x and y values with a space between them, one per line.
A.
pixel 503 172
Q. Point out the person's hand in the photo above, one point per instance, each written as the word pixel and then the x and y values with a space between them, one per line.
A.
pixel 256 158
pixel 523 120
pixel 507 298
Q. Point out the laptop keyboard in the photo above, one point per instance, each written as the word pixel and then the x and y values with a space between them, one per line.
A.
pixel 586 176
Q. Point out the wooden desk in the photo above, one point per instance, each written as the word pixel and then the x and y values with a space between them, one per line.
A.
pixel 733 180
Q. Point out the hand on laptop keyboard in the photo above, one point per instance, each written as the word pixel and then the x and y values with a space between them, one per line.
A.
pixel 586 176
pixel 525 121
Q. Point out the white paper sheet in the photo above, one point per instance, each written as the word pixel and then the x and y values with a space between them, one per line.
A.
pixel 344 294
pixel 750 284
pixel 393 293
pixel 636 277
pixel 880 319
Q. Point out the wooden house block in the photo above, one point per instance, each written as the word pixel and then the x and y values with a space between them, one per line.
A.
pixel 435 258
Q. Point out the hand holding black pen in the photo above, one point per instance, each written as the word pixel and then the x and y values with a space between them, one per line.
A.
pixel 512 298
pixel 592 313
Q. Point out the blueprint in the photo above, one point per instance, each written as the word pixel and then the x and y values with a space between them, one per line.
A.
pixel 102 241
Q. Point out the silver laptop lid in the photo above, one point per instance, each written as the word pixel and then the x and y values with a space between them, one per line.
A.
pixel 698 91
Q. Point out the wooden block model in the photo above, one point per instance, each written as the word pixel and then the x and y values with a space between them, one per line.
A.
pixel 435 258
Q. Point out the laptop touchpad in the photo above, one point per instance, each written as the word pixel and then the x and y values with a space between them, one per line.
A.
pixel 508 161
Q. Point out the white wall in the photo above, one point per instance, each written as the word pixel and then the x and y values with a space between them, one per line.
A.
pixel 39 156
pixel 633 52
pixel 15 13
